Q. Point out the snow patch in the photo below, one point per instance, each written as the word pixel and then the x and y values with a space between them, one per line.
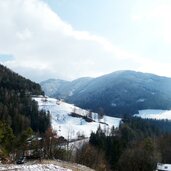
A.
pixel 113 104
pixel 140 100
pixel 154 114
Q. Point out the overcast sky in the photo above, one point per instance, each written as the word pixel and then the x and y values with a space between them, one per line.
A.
pixel 68 39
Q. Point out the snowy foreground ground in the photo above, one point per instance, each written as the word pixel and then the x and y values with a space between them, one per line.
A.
pixel 45 165
pixel 154 114
pixel 35 167
pixel 70 127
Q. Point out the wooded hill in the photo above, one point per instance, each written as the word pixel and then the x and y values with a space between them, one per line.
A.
pixel 17 110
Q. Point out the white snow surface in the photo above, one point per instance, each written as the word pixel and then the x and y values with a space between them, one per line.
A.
pixel 34 167
pixel 154 114
pixel 70 127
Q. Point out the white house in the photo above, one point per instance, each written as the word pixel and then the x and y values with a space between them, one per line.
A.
pixel 163 167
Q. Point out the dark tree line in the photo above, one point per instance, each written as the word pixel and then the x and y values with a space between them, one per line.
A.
pixel 137 145
pixel 17 109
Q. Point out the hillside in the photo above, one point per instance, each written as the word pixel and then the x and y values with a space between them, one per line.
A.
pixel 119 93
pixel 17 109
pixel 71 122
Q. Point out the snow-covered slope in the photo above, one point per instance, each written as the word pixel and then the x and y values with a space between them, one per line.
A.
pixel 71 127
pixel 154 114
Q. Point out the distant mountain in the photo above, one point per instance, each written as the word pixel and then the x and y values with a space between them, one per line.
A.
pixel 63 89
pixel 52 86
pixel 118 93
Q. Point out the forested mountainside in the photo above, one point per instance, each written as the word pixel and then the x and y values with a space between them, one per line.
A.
pixel 118 93
pixel 138 145
pixel 17 110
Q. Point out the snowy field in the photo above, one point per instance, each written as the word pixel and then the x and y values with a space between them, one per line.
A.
pixel 35 167
pixel 68 126
pixel 154 114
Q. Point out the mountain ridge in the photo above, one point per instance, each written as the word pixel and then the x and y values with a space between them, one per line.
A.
pixel 119 93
